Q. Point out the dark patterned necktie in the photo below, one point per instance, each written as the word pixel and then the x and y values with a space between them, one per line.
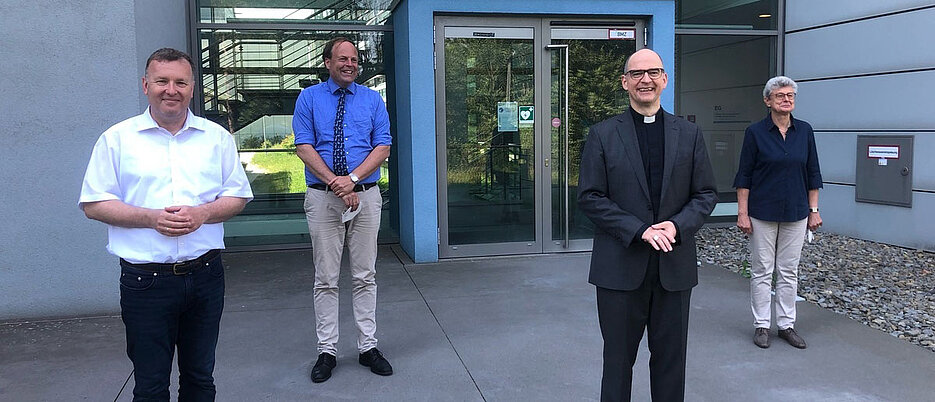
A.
pixel 340 156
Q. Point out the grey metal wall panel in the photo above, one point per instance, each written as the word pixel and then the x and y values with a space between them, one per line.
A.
pixel 836 156
pixel 70 72
pixel 884 169
pixel 884 102
pixel 907 227
pixel 160 24
pixel 808 13
pixel 923 175
pixel 836 153
pixel 891 43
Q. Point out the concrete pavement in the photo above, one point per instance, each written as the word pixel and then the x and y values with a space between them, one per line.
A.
pixel 495 329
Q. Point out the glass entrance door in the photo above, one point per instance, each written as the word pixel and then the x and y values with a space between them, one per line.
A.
pixel 514 100
pixel 487 83
pixel 585 64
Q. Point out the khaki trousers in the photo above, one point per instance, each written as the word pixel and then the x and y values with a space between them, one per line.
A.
pixel 775 246
pixel 329 236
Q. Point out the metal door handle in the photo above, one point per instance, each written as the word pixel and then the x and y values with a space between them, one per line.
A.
pixel 566 228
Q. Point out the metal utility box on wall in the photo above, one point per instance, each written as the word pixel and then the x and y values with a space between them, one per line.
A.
pixel 884 169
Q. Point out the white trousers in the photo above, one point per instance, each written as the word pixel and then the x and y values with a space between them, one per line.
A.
pixel 775 246
pixel 329 235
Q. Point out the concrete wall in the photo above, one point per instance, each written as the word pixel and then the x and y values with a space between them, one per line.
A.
pixel 413 22
pixel 71 69
pixel 867 68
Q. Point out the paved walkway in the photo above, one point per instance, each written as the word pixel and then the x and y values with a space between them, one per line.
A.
pixel 495 329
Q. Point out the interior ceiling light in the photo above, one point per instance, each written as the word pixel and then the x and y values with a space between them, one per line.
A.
pixel 765 15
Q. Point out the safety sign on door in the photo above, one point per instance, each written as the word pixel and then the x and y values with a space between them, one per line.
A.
pixel 506 116
pixel 527 115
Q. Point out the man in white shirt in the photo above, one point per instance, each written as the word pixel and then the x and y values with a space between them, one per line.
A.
pixel 163 182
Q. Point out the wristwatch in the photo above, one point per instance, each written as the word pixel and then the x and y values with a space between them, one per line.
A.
pixel 815 209
pixel 356 179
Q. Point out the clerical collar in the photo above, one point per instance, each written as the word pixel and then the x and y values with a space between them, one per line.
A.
pixel 637 117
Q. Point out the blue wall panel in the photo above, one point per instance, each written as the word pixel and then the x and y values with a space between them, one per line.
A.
pixel 413 22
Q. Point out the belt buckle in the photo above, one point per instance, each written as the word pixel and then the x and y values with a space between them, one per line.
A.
pixel 177 266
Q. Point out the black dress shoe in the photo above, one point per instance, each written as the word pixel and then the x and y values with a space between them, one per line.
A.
pixel 322 370
pixel 761 337
pixel 377 363
pixel 793 338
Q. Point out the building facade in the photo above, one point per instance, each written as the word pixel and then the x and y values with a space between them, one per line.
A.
pixel 489 102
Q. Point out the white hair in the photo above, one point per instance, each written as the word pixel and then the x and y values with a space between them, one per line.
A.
pixel 779 82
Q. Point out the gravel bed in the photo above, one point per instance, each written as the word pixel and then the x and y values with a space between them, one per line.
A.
pixel 886 287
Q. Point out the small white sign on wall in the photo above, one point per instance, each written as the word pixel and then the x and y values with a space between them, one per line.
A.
pixel 883 151
pixel 621 34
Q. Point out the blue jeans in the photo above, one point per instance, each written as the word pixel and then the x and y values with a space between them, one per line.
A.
pixel 163 312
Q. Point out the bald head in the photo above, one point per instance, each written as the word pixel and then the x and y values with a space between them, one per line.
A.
pixel 643 55
pixel 644 79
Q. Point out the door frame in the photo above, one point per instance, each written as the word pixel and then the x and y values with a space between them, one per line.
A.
pixel 544 135
pixel 542 36
pixel 446 250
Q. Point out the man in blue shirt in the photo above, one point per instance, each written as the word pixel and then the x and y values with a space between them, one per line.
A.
pixel 342 134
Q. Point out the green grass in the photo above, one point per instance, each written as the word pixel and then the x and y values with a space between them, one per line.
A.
pixel 286 167
pixel 285 173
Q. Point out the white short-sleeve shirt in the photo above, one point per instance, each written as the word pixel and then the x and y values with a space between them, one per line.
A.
pixel 143 165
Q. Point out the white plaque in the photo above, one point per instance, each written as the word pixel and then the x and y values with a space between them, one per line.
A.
pixel 883 151
pixel 621 34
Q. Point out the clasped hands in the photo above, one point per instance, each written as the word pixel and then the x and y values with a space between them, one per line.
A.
pixel 174 221
pixel 661 236
pixel 343 187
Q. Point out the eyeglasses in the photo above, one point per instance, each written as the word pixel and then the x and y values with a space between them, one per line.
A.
pixel 654 73
pixel 783 96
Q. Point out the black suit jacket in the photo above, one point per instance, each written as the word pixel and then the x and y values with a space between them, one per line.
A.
pixel 614 195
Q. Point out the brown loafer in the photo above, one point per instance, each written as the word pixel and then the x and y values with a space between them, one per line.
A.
pixel 793 338
pixel 761 337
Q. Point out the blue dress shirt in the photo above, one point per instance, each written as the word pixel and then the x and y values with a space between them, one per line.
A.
pixel 778 172
pixel 366 124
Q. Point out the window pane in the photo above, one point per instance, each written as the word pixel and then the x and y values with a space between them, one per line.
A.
pixel 251 80
pixel 366 12
pixel 727 14
pixel 490 169
pixel 720 87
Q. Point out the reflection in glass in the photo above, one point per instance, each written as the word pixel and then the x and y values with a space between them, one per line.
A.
pixel 596 94
pixel 250 81
pixel 368 12
pixel 490 169
pixel 720 87
pixel 719 14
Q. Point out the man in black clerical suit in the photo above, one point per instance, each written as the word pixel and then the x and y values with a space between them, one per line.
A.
pixel 647 184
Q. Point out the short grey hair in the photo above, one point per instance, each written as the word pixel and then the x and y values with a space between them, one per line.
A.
pixel 779 82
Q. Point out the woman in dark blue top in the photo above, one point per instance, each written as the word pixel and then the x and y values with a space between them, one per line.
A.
pixel 777 198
